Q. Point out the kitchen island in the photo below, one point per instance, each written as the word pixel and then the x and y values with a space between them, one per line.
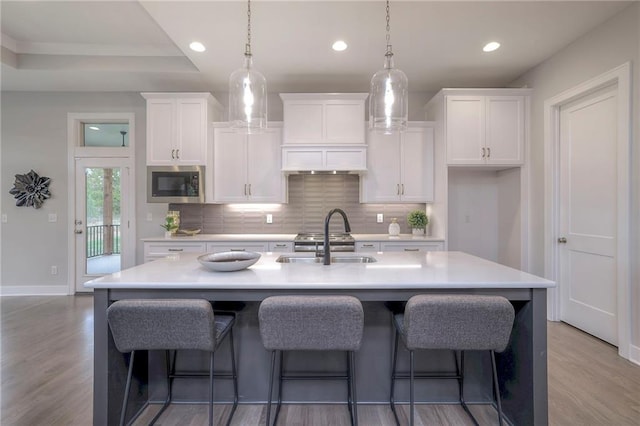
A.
pixel 393 277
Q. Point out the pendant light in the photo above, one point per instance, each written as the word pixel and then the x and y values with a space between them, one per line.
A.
pixel 388 97
pixel 248 92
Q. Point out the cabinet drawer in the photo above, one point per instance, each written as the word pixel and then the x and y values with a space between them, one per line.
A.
pixel 226 246
pixel 367 246
pixel 412 247
pixel 283 246
pixel 153 251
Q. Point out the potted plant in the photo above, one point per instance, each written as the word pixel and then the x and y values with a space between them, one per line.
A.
pixel 418 221
pixel 171 224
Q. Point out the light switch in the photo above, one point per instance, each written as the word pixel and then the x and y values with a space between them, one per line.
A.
pixel 53 217
pixel 380 218
pixel 269 218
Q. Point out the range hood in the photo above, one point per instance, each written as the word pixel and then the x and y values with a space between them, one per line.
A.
pixel 324 132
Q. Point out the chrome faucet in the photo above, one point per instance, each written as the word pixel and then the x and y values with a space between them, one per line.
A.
pixel 347 228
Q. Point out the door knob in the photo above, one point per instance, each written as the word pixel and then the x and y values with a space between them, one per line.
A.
pixel 78 231
pixel 562 240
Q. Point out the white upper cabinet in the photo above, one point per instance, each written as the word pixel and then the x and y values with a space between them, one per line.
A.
pixel 323 118
pixel 482 126
pixel 400 167
pixel 178 127
pixel 324 131
pixel 246 168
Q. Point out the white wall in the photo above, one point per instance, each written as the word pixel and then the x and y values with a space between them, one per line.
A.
pixel 34 136
pixel 615 42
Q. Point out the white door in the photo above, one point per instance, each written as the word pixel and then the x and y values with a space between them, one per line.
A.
pixel 103 213
pixel 588 199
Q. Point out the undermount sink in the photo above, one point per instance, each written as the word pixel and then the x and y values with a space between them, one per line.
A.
pixel 334 259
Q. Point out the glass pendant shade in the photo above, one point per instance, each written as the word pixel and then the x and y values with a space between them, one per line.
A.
pixel 389 98
pixel 247 98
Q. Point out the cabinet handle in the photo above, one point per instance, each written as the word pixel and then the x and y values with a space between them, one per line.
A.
pixel 174 249
pixel 402 188
pixel 280 245
pixel 408 249
pixel 245 189
pixel 238 249
pixel 367 245
pixel 483 153
pixel 397 189
pixel 562 240
pixel 249 190
pixel 173 154
pixel 488 152
pixel 178 154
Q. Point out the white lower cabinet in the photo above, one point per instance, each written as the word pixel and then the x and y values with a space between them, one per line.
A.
pixel 159 250
pixel 411 246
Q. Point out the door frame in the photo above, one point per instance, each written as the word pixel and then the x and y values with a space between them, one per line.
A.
pixel 76 150
pixel 621 76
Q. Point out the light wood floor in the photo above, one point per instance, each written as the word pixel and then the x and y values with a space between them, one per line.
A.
pixel 47 367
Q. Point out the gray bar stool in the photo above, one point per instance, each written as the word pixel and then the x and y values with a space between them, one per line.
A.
pixel 455 322
pixel 317 323
pixel 171 325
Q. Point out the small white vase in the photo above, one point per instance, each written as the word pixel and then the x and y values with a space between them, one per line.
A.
pixel 417 232
pixel 394 228
pixel 167 234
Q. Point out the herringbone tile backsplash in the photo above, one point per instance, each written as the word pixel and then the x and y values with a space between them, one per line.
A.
pixel 310 199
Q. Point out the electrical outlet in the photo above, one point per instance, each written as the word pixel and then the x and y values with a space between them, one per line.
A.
pixel 380 218
pixel 269 218
pixel 4 218
pixel 53 217
pixel 149 217
pixel 54 270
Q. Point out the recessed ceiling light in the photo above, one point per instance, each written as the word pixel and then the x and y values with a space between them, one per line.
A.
pixel 339 46
pixel 491 46
pixel 94 128
pixel 196 46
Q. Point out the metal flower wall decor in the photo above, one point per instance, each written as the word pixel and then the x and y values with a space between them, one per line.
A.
pixel 31 190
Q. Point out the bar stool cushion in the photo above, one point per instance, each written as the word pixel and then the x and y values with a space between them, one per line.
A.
pixel 457 322
pixel 311 323
pixel 166 324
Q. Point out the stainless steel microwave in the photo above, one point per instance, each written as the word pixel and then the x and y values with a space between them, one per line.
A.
pixel 175 184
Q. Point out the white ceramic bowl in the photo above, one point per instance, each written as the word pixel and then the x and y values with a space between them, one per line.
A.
pixel 228 261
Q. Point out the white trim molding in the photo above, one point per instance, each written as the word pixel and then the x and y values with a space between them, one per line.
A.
pixel 634 354
pixel 621 77
pixel 34 290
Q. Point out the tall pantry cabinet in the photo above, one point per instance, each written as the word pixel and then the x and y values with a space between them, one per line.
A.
pixel 481 144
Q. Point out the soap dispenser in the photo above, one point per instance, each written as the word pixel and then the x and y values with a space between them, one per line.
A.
pixel 394 228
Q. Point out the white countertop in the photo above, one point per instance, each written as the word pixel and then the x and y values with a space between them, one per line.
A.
pixel 393 270
pixel 282 237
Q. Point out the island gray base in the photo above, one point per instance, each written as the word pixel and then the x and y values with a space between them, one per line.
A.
pixel 522 367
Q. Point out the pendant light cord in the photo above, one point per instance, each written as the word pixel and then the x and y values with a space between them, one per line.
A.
pixel 247 51
pixel 389 52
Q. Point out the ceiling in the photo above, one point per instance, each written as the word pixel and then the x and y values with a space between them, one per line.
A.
pixel 143 46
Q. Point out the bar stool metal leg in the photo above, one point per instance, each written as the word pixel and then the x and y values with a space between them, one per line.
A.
pixel 211 359
pixel 273 367
pixel 125 400
pixel 352 379
pixel 496 386
pixel 411 393
pixel 280 380
pixel 234 374
pixel 393 378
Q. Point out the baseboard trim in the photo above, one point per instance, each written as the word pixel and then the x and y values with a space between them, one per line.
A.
pixel 634 354
pixel 34 290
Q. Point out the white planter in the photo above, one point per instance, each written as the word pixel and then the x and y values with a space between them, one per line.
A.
pixel 167 234
pixel 417 232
